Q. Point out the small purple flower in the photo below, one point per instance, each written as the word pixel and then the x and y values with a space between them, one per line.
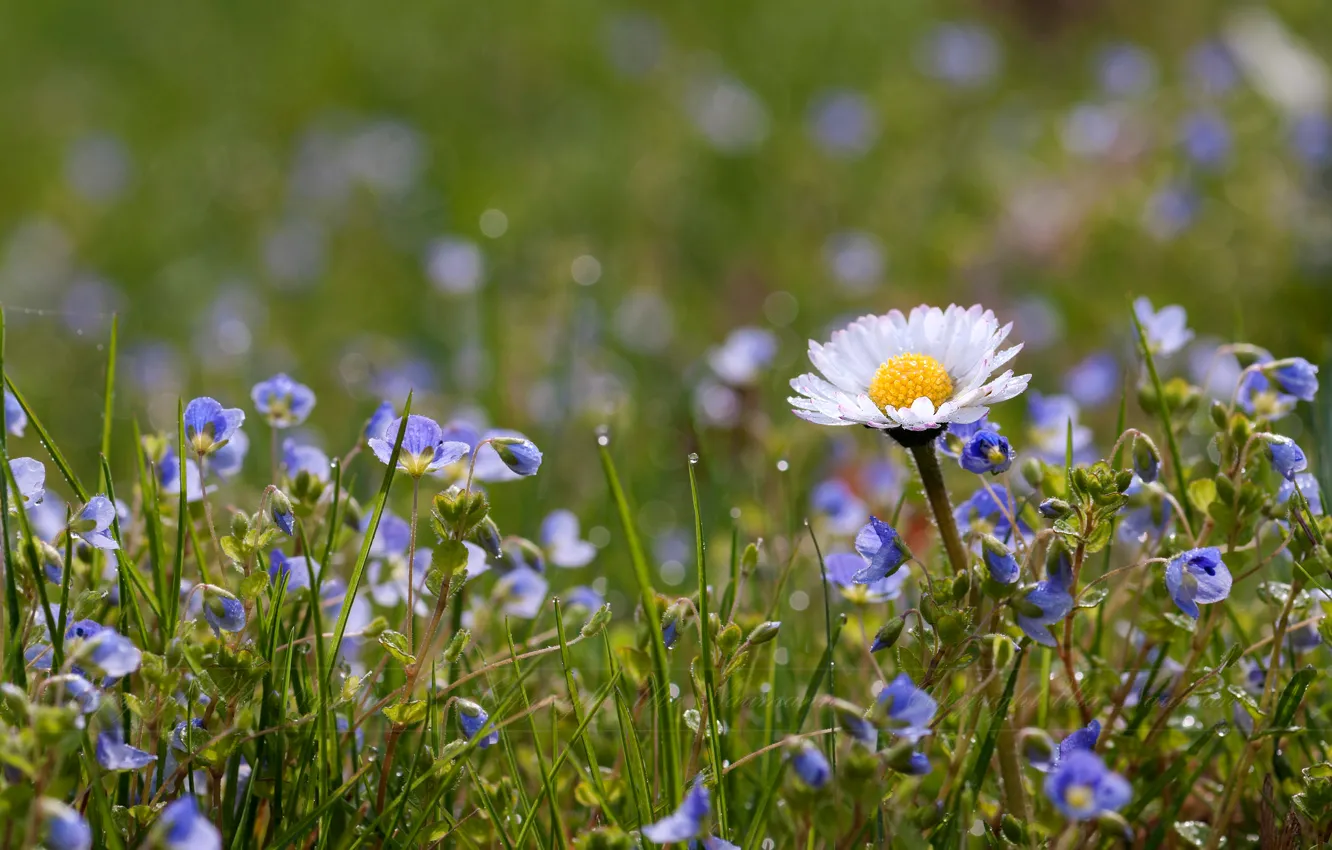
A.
pixel 183 827
pixel 93 523
pixel 113 654
pixel 686 822
pixel 883 550
pixel 29 479
pixel 1309 488
pixel 909 709
pixel 583 597
pixel 811 765
pixel 295 570
pixel 209 425
pixel 472 717
pixel 424 448
pixel 560 538
pixel 843 123
pixel 15 419
pixel 1197 576
pixel 82 691
pixel 518 453
pixel 1212 69
pixel 1205 136
pixel 114 754
pixel 956 436
pixel 963 55
pixel 843 567
pixel 521 593
pixel 835 499
pixel 986 451
pixel 223 611
pixel 1311 138
pixel 1094 381
pixel 283 514
pixel 1166 329
pixel 298 458
pixel 999 560
pixel 989 508
pixel 1046 604
pixel 379 421
pixel 282 401
pixel 1125 69
pixel 65 827
pixel 168 476
pixel 1287 457
pixel 226 462
pixel 1298 378
pixel 1080 739
pixel 1082 787
pixel 741 359
pixel 1259 395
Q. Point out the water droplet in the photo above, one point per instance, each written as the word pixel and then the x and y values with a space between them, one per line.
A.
pixel 735 513
pixel 693 457
pixel 782 466
pixel 603 435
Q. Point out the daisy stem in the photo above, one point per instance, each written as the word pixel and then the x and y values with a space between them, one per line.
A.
pixel 932 477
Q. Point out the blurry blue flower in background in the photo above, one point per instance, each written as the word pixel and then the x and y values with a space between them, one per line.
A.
pixel 227 461
pixel 965 55
pixel 1170 210
pixel 1141 522
pixel 1080 739
pixel 209 425
pixel 15 419
pixel 843 123
pixel 455 265
pixel 65 828
pixel 521 592
pixel 1205 136
pixel 296 570
pixel 583 597
pixel 855 260
pixel 1309 488
pixel 727 113
pixel 1082 787
pixel 379 421
pixel 1093 129
pixel 282 401
pixel 741 359
pixel 29 480
pixel 989 509
pixel 833 498
pixel 299 457
pixel 1260 396
pixel 634 42
pixel 1195 577
pixel 686 823
pixel 1047 604
pixel 1124 70
pixel 843 567
pixel 810 764
pixel 1050 417
pixel 561 541
pixel 1311 138
pixel 1094 380
pixel 1167 329
pixel 93 523
pixel 168 476
pixel 1211 68
pixel 472 717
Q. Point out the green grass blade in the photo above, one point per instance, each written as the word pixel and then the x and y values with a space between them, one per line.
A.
pixel 986 752
pixel 633 756
pixel 34 563
pixel 110 394
pixel 594 768
pixel 709 663
pixel 13 643
pixel 557 822
pixel 1163 409
pixel 183 521
pixel 128 572
pixel 670 753
pixel 44 437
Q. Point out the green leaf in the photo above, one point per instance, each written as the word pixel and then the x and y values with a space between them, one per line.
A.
pixel 406 713
pixel 1291 697
pixel 1181 621
pixel 1202 493
pixel 253 585
pixel 1277 593
pixel 1093 596
pixel 398 646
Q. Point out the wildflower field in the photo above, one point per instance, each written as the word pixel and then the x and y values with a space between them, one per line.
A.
pixel 545 426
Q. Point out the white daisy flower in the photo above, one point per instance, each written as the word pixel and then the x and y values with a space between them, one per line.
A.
pixel 916 372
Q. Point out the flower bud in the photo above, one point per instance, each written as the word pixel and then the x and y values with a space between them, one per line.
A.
pixel 961 587
pixel 764 632
pixel 457 645
pixel 1054 508
pixel 486 535
pixel 1033 472
pixel 283 517
pixel 1014 830
pixel 596 622
pixel 729 638
pixel 888 635
pixel 240 525
pixel 1219 415
pixel 952 628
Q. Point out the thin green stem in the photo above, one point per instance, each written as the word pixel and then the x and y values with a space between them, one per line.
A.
pixel 932 477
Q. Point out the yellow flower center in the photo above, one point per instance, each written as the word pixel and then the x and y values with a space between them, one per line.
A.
pixel 1079 797
pixel 907 377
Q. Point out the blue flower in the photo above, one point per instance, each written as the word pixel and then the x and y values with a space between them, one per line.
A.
pixel 686 822
pixel 1212 68
pixel 379 421
pixel 1298 378
pixel 843 567
pixel 15 419
pixel 1094 381
pixel 1082 787
pixel 989 508
pixel 282 513
pixel 1197 576
pixel 224 612
pixel 1167 330
pixel 521 592
pixel 1287 457
pixel 29 479
pixel 93 524
pixel 226 461
pixel 282 401
pixel 559 537
pixel 298 458
pixel 472 717
pixel 883 550
pixel 957 434
pixel 424 448
pixel 909 709
pixel 999 560
pixel 65 827
pixel 743 357
pixel 1080 739
pixel 963 55
pixel 113 654
pixel 811 765
pixel 1125 69
pixel 1261 396
pixel 168 476
pixel 83 692
pixel 296 570
pixel 209 425
pixel 1309 488
pixel 114 754
pixel 1206 138
pixel 1049 417
pixel 182 826
pixel 986 451
pixel 518 453
pixel 1311 138
pixel 584 597
pixel 83 630
pixel 835 499
pixel 1046 604
pixel 917 765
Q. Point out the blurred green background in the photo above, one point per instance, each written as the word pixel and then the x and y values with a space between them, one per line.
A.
pixel 544 215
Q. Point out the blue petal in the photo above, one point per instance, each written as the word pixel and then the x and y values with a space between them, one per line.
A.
pixel 113 754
